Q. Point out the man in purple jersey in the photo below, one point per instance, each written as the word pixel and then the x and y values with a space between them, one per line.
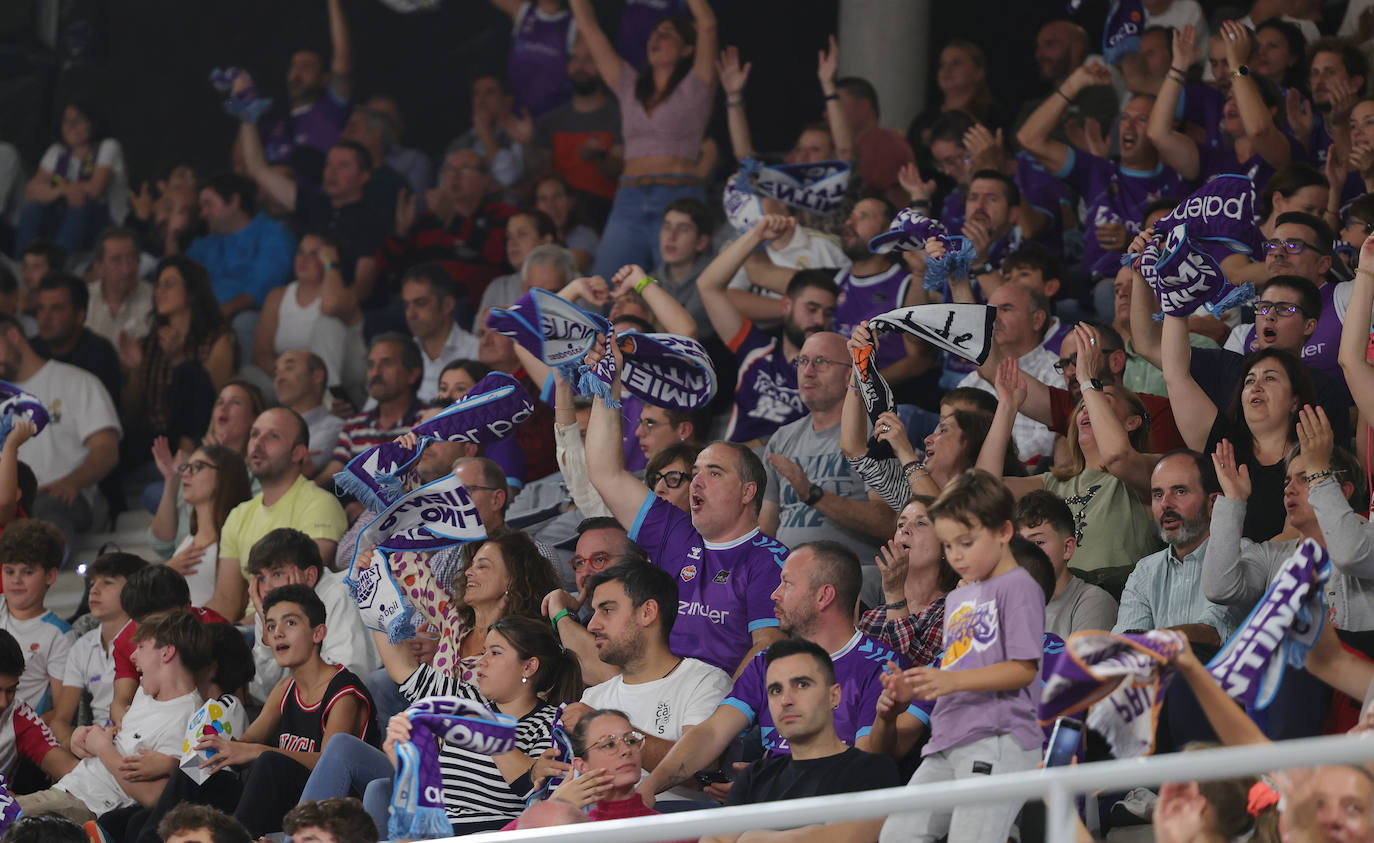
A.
pixel 766 395
pixel 725 568
pixel 1116 192
pixel 814 601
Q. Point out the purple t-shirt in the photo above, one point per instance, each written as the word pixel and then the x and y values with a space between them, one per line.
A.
pixel 952 211
pixel 1045 193
pixel 316 125
pixel 724 590
pixel 1221 158
pixel 638 22
pixel 987 623
pixel 1202 105
pixel 538 63
pixel 866 297
pixel 630 410
pixel 766 395
pixel 858 666
pixel 1115 194
pixel 1320 350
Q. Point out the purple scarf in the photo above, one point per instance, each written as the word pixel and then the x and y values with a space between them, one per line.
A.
pixel 246 105
pixel 664 370
pixel 9 807
pixel 435 516
pixel 909 232
pixel 817 188
pixel 1279 630
pixel 16 402
pixel 1128 673
pixel 556 331
pixel 489 413
pixel 417 802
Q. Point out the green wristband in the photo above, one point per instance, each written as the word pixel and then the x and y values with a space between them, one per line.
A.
pixel 644 282
pixel 558 616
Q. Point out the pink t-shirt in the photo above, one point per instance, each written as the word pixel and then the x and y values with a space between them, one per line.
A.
pixel 676 125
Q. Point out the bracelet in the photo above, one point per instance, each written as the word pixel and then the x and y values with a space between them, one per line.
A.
pixel 734 103
pixel 1064 95
pixel 644 282
pixel 1176 75
pixel 834 96
pixel 900 604
pixel 558 616
pixel 912 467
pixel 1319 475
pixel 1369 272
pixel 920 203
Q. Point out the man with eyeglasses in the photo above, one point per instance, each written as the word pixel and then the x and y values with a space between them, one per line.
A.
pixel 812 493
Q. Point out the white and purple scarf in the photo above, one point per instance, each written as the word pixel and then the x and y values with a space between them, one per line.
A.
pixel 817 188
pixel 9 806
pixel 1182 262
pixel 489 413
pixel 909 232
pixel 417 802
pixel 246 105
pixel 741 203
pixel 435 516
pixel 1279 631
pixel 665 370
pixel 555 330
pixel 15 402
pixel 1121 679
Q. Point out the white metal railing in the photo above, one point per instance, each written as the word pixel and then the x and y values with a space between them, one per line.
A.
pixel 1059 786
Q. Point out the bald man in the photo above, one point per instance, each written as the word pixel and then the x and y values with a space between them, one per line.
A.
pixel 1061 47
pixel 811 493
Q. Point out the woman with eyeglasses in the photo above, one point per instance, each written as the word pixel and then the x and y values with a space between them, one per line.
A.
pixel 211 482
pixel 1107 483
pixel 669 473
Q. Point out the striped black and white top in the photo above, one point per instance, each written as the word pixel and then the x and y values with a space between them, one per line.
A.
pixel 476 796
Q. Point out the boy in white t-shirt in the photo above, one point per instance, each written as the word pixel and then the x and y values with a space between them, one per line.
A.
pixel 171 647
pixel 90 664
pixel 30 552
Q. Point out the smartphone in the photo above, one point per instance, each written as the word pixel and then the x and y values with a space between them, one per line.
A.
pixel 706 778
pixel 1064 742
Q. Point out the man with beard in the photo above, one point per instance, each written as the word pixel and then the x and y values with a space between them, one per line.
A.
pixel 581 138
pixel 299 381
pixel 1116 192
pixel 393 374
pixel 815 601
pixel 875 284
pixel 278 446
pixel 1165 589
pixel 812 493
pixel 766 395
pixel 661 693
pixel 1061 47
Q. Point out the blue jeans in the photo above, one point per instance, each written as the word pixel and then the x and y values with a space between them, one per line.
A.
pixel 74 229
pixel 348 766
pixel 631 234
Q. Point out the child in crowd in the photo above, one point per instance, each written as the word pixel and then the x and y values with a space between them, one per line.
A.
pixel 154 588
pixel 170 648
pixel 335 820
pixel 191 823
pixel 289 557
pixel 90 664
pixel 23 734
pixel 1044 519
pixel 985 690
pixel 30 553
pixel 276 753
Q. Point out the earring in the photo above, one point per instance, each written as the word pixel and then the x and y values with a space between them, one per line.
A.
pixel 524 680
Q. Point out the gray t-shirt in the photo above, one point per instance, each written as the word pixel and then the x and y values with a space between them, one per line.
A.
pixel 1078 607
pixel 820 459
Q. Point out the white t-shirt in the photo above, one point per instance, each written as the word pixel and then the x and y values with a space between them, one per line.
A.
pixel 90 665
pixel 46 640
pixel 665 707
pixel 78 406
pixel 808 249
pixel 202 579
pixel 148 724
pixel 107 154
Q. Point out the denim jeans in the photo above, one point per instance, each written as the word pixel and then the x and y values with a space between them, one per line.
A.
pixel 631 234
pixel 73 228
pixel 348 766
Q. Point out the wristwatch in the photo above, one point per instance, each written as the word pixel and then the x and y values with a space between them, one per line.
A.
pixel 1093 383
pixel 814 496
pixel 1243 70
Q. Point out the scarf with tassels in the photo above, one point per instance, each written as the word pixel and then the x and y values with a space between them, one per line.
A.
pixel 909 232
pixel 417 800
pixel 16 403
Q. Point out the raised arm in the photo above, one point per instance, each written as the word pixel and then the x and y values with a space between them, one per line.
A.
pixel 827 64
pixel 733 77
pixel 1194 412
pixel 272 182
pixel 671 316
pixel 1232 575
pixel 1175 148
pixel 623 492
pixel 1034 136
pixel 1121 458
pixel 1011 393
pixel 341 63
pixel 714 281
pixel 708 41
pixel 1354 352
pixel 607 60
pixel 1232 725
pixel 1264 136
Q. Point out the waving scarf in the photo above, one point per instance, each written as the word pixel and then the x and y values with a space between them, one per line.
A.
pixel 489 413
pixel 9 806
pixel 817 188
pixel 1182 262
pixel 742 206
pixel 1121 679
pixel 15 402
pixel 435 516
pixel 1279 630
pixel 909 232
pixel 563 752
pixel 556 331
pixel 665 370
pixel 417 801
pixel 876 394
pixel 246 105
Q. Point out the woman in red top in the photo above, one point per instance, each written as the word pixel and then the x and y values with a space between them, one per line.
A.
pixel 609 754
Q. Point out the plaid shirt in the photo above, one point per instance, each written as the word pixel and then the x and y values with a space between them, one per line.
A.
pixel 919 637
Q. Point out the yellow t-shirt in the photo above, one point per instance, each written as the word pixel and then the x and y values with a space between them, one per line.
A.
pixel 305 507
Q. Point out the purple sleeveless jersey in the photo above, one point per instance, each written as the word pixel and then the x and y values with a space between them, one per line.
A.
pixel 538 64
pixel 766 395
pixel 639 20
pixel 864 298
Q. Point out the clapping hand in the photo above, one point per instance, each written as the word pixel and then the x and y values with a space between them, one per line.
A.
pixel 1234 478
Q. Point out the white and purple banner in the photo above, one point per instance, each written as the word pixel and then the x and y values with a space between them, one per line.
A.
pixel 817 188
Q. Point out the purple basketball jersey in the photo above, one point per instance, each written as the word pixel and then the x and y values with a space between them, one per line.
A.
pixel 538 64
pixel 864 298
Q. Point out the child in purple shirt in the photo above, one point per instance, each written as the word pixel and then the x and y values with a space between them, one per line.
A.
pixel 986 690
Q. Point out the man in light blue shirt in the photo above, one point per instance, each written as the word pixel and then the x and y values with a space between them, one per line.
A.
pixel 1165 589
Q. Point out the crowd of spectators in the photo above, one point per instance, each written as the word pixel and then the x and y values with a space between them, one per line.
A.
pixel 216 347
